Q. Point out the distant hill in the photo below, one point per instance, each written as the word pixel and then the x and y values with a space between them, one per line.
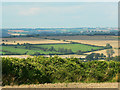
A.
pixel 58 31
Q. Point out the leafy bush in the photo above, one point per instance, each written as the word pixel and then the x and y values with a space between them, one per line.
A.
pixel 41 69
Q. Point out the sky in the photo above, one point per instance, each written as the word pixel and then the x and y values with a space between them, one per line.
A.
pixel 59 14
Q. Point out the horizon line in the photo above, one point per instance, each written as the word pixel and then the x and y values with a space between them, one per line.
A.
pixel 52 27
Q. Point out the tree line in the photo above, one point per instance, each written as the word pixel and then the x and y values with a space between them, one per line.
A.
pixel 60 50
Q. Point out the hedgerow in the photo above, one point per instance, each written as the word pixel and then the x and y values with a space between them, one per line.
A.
pixel 39 70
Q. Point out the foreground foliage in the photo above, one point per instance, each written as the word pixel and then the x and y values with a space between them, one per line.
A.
pixel 40 69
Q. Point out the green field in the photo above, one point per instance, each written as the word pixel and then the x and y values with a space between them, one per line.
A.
pixel 22 51
pixel 30 49
pixel 1 52
pixel 74 47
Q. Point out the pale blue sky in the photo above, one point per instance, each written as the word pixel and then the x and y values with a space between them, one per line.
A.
pixel 59 14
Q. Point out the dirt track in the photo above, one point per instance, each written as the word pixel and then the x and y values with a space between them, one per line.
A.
pixel 68 85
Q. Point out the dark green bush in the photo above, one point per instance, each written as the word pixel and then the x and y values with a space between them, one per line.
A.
pixel 40 69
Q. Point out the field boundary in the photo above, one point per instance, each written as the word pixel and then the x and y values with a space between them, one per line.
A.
pixel 100 48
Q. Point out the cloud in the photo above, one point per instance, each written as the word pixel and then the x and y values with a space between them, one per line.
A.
pixel 33 10
pixel 29 11
pixel 58 14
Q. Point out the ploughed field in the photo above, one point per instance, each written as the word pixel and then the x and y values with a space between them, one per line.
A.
pixel 44 49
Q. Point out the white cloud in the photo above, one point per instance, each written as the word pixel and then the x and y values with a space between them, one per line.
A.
pixel 29 11
pixel 60 14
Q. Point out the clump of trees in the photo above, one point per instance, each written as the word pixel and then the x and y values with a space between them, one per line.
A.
pixel 3 44
pixel 110 53
pixel 116 58
pixel 79 52
pixel 95 56
pixel 108 46
pixel 65 51
pixel 5 40
pixel 37 53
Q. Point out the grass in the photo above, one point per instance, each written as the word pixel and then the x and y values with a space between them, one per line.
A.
pixel 1 52
pixel 74 47
pixel 35 48
pixel 12 49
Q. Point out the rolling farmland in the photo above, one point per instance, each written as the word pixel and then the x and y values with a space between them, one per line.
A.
pixel 113 43
pixel 59 45
pixel 60 42
pixel 45 48
pixel 17 51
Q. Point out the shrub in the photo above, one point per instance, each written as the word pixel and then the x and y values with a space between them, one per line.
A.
pixel 41 69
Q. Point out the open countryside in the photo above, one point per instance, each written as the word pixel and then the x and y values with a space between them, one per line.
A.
pixel 48 48
pixel 73 56
pixel 41 45
pixel 60 45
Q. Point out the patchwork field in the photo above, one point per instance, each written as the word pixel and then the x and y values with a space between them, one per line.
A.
pixel 57 42
pixel 113 43
pixel 94 40
pixel 30 49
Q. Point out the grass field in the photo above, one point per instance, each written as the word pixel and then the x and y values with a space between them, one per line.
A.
pixel 22 51
pixel 36 48
pixel 74 47
pixel 1 52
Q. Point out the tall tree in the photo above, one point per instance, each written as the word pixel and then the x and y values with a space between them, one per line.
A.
pixel 110 53
pixel 108 45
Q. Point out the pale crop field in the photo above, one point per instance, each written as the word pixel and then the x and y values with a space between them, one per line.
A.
pixel 17 56
pixel 104 52
pixel 36 42
pixel 72 56
pixel 113 43
pixel 30 40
